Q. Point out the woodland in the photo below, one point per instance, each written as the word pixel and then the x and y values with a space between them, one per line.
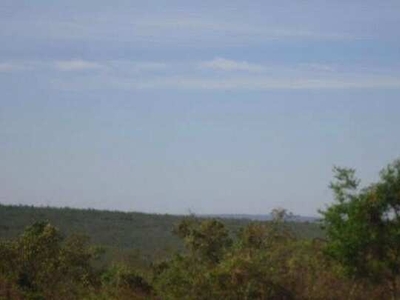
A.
pixel 352 252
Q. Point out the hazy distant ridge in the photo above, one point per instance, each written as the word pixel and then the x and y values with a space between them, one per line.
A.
pixel 267 217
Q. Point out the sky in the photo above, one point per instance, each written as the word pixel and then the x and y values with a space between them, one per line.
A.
pixel 201 107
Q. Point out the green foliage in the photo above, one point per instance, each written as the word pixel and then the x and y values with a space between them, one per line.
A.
pixel 120 233
pixel 42 264
pixel 264 261
pixel 261 263
pixel 213 259
pixel 363 226
pixel 207 241
pixel 120 282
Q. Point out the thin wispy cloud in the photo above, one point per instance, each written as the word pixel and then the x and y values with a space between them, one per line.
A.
pixel 162 30
pixel 223 64
pixel 77 65
pixel 263 83
pixel 149 66
pixel 137 66
pixel 225 74
pixel 200 27
pixel 83 65
pixel 161 83
pixel 222 74
pixel 6 67
pixel 228 83
pixel 318 67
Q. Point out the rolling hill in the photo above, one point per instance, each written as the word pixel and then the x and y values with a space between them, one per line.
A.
pixel 149 235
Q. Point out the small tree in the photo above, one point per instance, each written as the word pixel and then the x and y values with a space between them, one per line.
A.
pixel 207 240
pixel 363 226
pixel 42 264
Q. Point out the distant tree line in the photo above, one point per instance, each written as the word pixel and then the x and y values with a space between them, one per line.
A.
pixel 358 259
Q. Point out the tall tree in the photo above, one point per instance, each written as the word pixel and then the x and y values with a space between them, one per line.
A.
pixel 363 226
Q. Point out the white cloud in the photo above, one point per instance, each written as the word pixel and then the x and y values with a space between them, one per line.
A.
pixel 163 30
pixel 116 66
pixel 77 65
pixel 137 66
pixel 235 75
pixel 261 83
pixel 150 66
pixel 223 64
pixel 13 67
pixel 318 67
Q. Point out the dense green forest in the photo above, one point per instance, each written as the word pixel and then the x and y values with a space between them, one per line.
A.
pixel 48 253
pixel 123 234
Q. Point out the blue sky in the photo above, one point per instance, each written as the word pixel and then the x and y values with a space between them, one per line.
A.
pixel 209 107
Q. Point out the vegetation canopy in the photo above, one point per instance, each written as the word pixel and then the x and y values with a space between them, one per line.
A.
pixel 363 226
pixel 358 258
